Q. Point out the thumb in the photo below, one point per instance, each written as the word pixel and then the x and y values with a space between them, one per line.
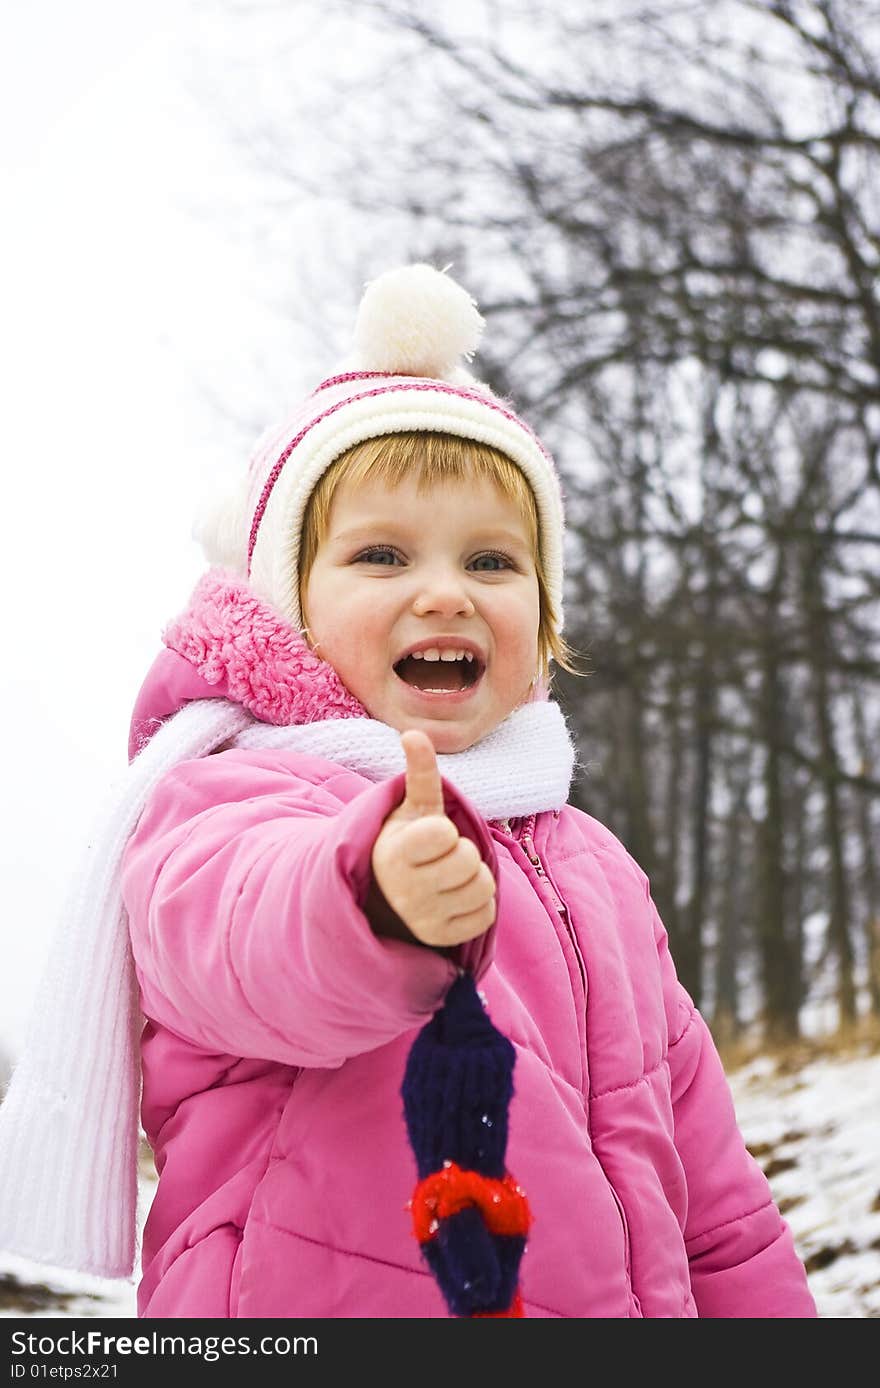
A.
pixel 424 791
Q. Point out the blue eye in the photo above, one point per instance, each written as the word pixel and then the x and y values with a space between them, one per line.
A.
pixel 501 559
pixel 369 556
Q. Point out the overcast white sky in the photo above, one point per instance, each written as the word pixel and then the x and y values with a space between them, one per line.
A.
pixel 123 310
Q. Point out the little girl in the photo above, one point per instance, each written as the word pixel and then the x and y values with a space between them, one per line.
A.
pixel 410 1038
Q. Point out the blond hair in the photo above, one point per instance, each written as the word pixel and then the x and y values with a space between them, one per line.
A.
pixel 433 458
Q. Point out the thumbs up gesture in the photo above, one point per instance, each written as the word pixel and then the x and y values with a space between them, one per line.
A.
pixel 434 879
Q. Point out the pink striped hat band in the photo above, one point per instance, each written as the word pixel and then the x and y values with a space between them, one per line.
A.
pixel 410 384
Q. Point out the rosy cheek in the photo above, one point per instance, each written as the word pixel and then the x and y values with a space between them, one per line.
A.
pixel 521 633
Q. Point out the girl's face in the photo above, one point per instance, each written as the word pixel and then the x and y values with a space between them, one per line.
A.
pixel 451 569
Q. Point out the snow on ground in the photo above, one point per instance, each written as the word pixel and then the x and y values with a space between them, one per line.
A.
pixel 815 1129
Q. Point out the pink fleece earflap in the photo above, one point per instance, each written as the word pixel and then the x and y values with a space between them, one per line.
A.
pixel 233 639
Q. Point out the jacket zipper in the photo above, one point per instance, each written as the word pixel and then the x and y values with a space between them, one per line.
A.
pixel 528 844
pixel 526 839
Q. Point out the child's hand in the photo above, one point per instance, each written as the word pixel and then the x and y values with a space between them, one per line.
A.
pixel 433 878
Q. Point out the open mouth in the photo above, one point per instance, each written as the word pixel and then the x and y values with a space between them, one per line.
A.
pixel 439 676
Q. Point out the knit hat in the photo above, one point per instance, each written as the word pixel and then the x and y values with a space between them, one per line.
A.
pixel 414 330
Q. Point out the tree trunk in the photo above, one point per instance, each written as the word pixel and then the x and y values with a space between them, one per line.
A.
pixel 780 968
pixel 726 1018
pixel 869 837
pixel 819 645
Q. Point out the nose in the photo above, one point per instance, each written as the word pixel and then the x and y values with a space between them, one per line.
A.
pixel 442 591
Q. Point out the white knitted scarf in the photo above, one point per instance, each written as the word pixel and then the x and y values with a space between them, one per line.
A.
pixel 69 1125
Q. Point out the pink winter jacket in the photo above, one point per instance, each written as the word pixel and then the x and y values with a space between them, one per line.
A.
pixel 278 1026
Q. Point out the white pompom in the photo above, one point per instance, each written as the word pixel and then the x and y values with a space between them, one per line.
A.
pixel 416 321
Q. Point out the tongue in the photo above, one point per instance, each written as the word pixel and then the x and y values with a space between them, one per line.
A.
pixel 432 674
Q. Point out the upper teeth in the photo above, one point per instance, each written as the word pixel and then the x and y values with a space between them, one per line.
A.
pixel 433 653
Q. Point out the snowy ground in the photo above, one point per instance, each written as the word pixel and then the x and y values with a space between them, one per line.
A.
pixel 816 1132
pixel 815 1129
